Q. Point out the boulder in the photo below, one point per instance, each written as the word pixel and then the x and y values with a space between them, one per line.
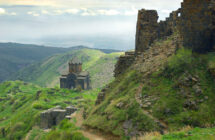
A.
pixel 100 98
pixel 70 110
pixel 129 129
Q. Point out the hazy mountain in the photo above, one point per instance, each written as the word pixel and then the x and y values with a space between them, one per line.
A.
pixel 47 72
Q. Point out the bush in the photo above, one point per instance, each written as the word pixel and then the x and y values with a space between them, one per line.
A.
pixel 38 105
pixel 176 64
pixel 17 131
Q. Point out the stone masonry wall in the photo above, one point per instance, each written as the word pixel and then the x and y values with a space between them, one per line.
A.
pixel 196 24
pixel 169 26
pixel 146 29
pixel 123 63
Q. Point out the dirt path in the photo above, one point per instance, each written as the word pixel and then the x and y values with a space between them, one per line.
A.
pixel 139 101
pixel 91 133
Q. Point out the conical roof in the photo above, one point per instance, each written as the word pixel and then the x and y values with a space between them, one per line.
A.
pixel 75 60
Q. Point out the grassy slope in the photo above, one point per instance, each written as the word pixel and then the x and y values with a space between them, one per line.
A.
pixel 47 72
pixel 14 57
pixel 192 134
pixel 170 105
pixel 20 107
pixel 186 133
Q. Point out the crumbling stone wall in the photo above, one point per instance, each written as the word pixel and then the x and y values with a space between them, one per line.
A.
pixel 124 62
pixel 146 29
pixel 54 116
pixel 196 24
pixel 212 9
pixel 169 26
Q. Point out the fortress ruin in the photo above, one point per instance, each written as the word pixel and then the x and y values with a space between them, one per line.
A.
pixel 194 23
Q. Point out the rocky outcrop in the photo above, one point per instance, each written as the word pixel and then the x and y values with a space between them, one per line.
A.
pixel 101 96
pixel 124 62
pixel 196 24
pixel 146 29
pixel 54 116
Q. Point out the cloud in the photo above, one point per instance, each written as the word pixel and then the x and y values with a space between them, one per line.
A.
pixel 33 13
pixel 148 4
pixel 13 14
pixel 64 11
pixel 72 11
pixel 44 12
pixel 166 11
pixel 89 13
pixel 2 11
pixel 110 12
pixel 131 12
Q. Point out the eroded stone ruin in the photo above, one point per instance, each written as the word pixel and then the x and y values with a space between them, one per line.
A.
pixel 124 62
pixel 54 116
pixel 194 23
pixel 147 24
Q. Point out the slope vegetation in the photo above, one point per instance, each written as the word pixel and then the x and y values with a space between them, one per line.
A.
pixel 21 104
pixel 47 72
pixel 162 91
pixel 15 56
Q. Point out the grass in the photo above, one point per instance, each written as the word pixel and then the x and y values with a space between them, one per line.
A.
pixel 110 118
pixel 65 131
pixel 15 56
pixel 168 95
pixel 47 72
pixel 192 134
pixel 21 104
pixel 179 66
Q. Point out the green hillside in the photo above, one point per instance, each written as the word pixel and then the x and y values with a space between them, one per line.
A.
pixel 21 104
pixel 14 57
pixel 47 72
pixel 163 96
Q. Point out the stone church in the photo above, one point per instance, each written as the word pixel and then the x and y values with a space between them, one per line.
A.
pixel 75 78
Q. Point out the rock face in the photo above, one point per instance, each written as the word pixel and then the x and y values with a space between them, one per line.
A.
pixel 197 24
pixel 70 110
pixel 54 116
pixel 123 63
pixel 146 29
pixel 101 96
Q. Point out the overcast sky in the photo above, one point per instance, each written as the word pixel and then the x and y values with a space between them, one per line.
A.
pixel 65 23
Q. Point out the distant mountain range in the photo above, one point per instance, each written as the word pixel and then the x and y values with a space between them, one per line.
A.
pixel 43 65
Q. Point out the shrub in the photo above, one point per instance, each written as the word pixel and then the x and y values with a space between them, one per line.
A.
pixel 183 58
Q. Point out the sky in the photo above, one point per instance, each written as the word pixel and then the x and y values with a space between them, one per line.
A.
pixel 109 24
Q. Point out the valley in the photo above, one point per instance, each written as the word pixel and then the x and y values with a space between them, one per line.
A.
pixel 162 90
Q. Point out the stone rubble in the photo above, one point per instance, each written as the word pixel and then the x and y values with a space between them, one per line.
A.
pixel 54 116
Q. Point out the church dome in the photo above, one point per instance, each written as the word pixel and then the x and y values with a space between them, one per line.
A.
pixel 75 61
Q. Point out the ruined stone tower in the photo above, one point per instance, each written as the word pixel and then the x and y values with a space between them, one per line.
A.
pixel 193 26
pixel 146 29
